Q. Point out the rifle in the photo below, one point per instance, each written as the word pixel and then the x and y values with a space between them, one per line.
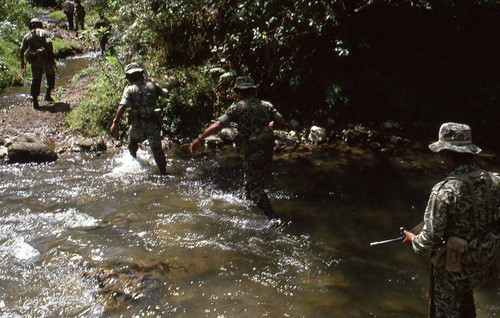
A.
pixel 297 142
pixel 417 228
pixel 396 239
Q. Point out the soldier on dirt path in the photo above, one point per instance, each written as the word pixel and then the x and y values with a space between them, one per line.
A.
pixel 37 45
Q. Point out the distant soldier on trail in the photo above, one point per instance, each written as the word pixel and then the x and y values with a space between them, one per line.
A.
pixel 79 15
pixel 37 45
pixel 461 225
pixel 69 11
pixel 104 27
pixel 145 116
pixel 255 119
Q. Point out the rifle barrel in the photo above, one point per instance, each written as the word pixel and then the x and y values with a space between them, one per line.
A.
pixel 399 238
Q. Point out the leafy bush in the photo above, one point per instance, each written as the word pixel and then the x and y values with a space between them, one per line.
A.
pixel 95 114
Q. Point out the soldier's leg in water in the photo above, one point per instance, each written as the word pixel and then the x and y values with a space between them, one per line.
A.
pixel 36 74
pixel 158 154
pixel 254 176
pixel 51 82
pixel 133 146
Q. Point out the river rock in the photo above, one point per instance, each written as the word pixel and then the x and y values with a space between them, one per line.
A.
pixel 30 148
pixel 317 134
pixel 229 134
pixel 3 152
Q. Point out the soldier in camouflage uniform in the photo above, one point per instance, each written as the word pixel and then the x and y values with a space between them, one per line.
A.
pixel 69 11
pixel 254 118
pixel 141 98
pixel 79 15
pixel 37 45
pixel 461 224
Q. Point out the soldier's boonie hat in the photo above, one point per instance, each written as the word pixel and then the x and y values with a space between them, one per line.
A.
pixel 133 68
pixel 244 82
pixel 455 137
pixel 35 23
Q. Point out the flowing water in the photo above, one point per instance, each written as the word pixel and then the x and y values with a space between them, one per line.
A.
pixel 104 236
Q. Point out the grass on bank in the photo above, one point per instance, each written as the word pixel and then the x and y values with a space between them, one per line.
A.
pixel 11 72
pixel 57 15
pixel 95 114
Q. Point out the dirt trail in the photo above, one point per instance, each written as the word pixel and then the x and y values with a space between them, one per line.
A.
pixel 48 122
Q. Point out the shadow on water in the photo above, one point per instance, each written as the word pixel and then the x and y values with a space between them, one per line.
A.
pixel 105 236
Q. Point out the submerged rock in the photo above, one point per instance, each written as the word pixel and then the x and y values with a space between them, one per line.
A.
pixel 317 134
pixel 27 148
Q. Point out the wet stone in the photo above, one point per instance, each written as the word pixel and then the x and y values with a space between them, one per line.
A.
pixel 30 148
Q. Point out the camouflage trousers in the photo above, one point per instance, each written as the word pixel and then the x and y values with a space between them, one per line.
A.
pixel 257 158
pixel 142 130
pixel 71 23
pixel 453 292
pixel 37 72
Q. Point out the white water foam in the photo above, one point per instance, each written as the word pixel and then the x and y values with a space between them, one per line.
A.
pixel 16 247
pixel 125 165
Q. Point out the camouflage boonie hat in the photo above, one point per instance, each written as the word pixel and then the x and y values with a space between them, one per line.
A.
pixel 35 23
pixel 133 68
pixel 455 137
pixel 244 82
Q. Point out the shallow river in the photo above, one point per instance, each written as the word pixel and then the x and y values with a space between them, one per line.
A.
pixel 105 236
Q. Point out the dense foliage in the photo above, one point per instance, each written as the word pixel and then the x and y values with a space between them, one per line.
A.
pixel 352 61
pixel 336 62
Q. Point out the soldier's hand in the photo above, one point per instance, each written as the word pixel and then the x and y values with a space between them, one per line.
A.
pixel 409 237
pixel 112 130
pixel 195 145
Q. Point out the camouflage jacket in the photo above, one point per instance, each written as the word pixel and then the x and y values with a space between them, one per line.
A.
pixel 37 46
pixel 466 205
pixel 251 115
pixel 69 7
pixel 141 97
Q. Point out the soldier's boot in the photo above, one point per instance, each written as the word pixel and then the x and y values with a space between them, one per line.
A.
pixel 35 103
pixel 265 206
pixel 48 96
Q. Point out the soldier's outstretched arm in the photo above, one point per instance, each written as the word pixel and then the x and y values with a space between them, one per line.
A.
pixel 119 114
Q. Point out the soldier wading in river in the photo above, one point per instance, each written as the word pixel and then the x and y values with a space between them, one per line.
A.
pixel 145 116
pixel 254 118
pixel 37 45
pixel 461 225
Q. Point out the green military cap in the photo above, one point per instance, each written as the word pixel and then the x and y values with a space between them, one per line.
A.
pixel 455 137
pixel 133 68
pixel 35 23
pixel 244 82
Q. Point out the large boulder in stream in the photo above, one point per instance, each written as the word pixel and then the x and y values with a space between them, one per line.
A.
pixel 30 148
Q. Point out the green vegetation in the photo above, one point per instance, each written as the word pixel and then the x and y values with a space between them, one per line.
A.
pixel 57 15
pixel 64 47
pixel 14 16
pixel 96 113
pixel 417 62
